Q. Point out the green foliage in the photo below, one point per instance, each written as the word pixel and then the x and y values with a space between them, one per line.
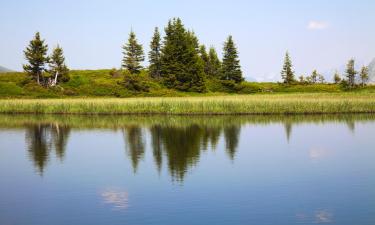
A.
pixel 364 76
pixel 214 64
pixel 205 59
pixel 351 73
pixel 181 66
pixel 231 69
pixel 155 55
pixel 58 68
pixel 337 78
pixel 10 89
pixel 134 82
pixel 133 55
pixel 287 73
pixel 36 55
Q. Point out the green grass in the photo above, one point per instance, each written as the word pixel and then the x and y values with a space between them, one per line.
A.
pixel 99 83
pixel 235 104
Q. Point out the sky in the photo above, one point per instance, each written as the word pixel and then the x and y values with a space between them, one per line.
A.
pixel 319 34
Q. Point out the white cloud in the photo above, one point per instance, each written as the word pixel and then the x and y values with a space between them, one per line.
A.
pixel 317 25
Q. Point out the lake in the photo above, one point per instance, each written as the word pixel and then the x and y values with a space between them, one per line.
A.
pixel 187 170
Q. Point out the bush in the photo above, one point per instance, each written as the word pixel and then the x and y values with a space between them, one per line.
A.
pixel 136 82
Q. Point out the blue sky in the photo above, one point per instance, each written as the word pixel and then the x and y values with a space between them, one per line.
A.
pixel 319 34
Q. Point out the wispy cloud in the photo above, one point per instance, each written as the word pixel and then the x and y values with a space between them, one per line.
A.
pixel 317 25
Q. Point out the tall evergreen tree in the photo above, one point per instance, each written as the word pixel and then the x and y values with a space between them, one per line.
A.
pixel 133 55
pixel 58 68
pixel 155 55
pixel 364 75
pixel 231 69
pixel 36 55
pixel 214 64
pixel 287 73
pixel 181 66
pixel 205 58
pixel 351 73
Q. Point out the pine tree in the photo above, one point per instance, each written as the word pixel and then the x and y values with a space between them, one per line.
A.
pixel 155 55
pixel 231 69
pixel 58 68
pixel 214 64
pixel 36 55
pixel 314 77
pixel 181 67
pixel 321 78
pixel 364 75
pixel 287 73
pixel 336 78
pixel 133 55
pixel 205 59
pixel 351 73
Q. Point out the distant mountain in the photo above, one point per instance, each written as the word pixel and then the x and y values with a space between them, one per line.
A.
pixel 3 69
pixel 371 68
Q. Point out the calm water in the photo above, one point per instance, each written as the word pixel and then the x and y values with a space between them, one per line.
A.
pixel 180 170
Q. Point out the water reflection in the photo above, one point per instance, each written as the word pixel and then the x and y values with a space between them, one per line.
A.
pixel 42 139
pixel 176 142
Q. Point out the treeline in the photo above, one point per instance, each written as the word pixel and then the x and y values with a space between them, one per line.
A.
pixel 352 78
pixel 177 61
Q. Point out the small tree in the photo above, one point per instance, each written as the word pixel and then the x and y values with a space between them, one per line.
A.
pixel 351 73
pixel 364 75
pixel 214 64
pixel 287 73
pixel 231 69
pixel 58 68
pixel 133 55
pixel 36 55
pixel 321 79
pixel 314 77
pixel 301 79
pixel 155 55
pixel 336 78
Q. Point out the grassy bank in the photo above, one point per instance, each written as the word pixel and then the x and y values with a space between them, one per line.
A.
pixel 101 83
pixel 235 104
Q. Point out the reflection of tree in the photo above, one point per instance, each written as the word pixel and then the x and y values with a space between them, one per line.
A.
pixel 351 125
pixel 288 130
pixel 231 135
pixel 157 145
pixel 41 138
pixel 134 144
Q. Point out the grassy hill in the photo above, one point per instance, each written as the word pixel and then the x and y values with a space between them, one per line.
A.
pixel 100 83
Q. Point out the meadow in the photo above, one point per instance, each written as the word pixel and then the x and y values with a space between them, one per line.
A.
pixel 306 103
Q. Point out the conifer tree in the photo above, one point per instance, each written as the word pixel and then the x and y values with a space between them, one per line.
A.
pixel 351 73
pixel 133 55
pixel 205 59
pixel 231 69
pixel 214 64
pixel 36 55
pixel 336 78
pixel 314 77
pixel 155 55
pixel 287 73
pixel 181 67
pixel 58 68
pixel 364 75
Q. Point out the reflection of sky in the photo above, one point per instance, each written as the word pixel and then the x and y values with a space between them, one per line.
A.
pixel 115 197
pixel 318 217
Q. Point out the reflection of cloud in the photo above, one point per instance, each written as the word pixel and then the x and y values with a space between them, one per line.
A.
pixel 319 216
pixel 317 25
pixel 317 153
pixel 115 197
pixel 323 216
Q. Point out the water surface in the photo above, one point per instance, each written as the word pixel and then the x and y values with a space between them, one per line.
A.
pixel 187 170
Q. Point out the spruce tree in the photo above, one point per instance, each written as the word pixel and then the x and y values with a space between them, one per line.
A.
pixel 351 73
pixel 181 67
pixel 231 69
pixel 336 78
pixel 133 55
pixel 155 55
pixel 58 68
pixel 214 64
pixel 36 55
pixel 314 77
pixel 364 75
pixel 205 59
pixel 287 73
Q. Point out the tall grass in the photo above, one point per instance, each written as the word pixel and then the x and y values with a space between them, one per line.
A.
pixel 236 104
